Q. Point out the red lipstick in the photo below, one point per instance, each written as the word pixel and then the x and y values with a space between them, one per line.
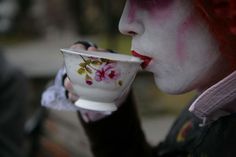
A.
pixel 146 60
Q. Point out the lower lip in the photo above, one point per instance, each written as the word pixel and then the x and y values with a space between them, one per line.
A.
pixel 146 60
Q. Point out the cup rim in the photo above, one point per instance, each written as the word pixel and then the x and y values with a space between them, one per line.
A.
pixel 105 55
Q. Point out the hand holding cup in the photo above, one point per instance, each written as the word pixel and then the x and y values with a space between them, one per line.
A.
pixel 98 78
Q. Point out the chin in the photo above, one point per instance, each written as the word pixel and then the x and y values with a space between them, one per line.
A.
pixel 172 88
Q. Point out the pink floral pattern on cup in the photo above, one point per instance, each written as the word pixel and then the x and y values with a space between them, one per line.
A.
pixel 99 70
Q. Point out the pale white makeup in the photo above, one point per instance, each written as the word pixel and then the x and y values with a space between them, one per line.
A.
pixel 184 54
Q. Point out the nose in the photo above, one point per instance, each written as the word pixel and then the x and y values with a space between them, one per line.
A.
pixel 129 23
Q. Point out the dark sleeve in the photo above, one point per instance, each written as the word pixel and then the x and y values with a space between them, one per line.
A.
pixel 12 100
pixel 220 139
pixel 118 135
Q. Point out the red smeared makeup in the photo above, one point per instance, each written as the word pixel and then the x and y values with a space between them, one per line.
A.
pixel 146 59
pixel 181 32
pixel 150 5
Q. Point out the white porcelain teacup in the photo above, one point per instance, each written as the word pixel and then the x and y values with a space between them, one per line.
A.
pixel 99 78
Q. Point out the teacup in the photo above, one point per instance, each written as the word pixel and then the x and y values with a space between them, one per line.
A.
pixel 99 78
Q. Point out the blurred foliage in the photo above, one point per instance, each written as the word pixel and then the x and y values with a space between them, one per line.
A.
pixel 100 16
pixel 23 26
pixel 119 43
pixel 36 18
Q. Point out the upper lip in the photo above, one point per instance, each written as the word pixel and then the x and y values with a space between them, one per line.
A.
pixel 146 59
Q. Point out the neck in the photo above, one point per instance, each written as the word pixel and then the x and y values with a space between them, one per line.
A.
pixel 221 70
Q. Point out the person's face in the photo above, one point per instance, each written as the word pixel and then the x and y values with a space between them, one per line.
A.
pixel 183 52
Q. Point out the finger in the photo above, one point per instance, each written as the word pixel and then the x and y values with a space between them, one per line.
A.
pixel 92 48
pixel 87 44
pixel 78 47
pixel 73 97
pixel 68 85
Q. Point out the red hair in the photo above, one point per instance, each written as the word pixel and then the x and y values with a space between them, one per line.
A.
pixel 220 16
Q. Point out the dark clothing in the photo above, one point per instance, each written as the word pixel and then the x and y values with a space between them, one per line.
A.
pixel 13 102
pixel 120 135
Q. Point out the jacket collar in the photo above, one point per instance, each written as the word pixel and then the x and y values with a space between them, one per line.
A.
pixel 216 101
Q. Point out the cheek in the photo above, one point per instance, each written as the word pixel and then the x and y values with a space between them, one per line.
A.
pixel 156 5
pixel 158 9
pixel 161 16
pixel 182 31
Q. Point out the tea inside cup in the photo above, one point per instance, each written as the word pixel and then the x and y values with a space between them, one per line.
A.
pixel 99 78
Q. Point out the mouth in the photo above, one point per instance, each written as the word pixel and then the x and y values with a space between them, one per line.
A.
pixel 146 60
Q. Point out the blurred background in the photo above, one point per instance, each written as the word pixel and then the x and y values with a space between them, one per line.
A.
pixel 31 34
